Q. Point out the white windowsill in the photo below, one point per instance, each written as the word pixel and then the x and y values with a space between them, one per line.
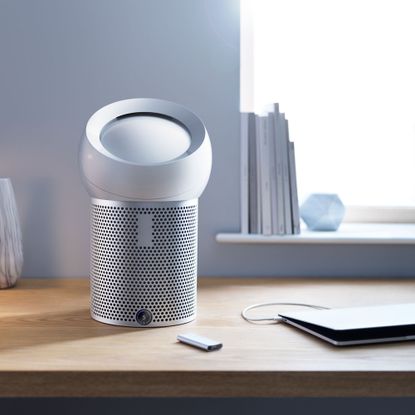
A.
pixel 348 233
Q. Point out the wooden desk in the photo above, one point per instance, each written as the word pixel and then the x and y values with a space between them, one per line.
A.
pixel 49 346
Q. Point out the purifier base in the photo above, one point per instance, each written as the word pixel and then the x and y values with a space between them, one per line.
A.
pixel 137 325
pixel 143 262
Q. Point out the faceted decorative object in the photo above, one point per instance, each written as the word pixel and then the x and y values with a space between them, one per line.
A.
pixel 11 253
pixel 322 212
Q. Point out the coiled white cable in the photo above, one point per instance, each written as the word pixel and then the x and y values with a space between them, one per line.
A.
pixel 275 319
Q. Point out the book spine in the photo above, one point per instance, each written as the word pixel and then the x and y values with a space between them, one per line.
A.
pixel 245 172
pixel 253 196
pixel 294 192
pixel 258 173
pixel 278 158
pixel 286 177
pixel 273 173
pixel 265 177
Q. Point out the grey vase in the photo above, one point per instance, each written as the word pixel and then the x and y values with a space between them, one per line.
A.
pixel 11 252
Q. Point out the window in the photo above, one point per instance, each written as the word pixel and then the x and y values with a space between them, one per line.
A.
pixel 343 71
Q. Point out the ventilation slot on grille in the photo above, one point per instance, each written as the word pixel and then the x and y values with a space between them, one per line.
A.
pixel 143 258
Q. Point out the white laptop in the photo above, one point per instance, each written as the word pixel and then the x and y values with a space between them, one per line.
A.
pixel 357 325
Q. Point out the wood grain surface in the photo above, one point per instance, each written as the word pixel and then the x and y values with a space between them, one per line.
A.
pixel 49 345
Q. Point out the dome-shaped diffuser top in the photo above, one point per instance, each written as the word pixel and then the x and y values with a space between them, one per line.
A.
pixel 145 139
pixel 145 150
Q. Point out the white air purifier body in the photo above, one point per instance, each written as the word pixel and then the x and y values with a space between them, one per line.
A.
pixel 144 162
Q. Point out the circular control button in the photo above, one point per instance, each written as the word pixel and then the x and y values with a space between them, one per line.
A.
pixel 144 317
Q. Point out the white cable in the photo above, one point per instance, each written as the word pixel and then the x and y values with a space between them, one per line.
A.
pixel 275 319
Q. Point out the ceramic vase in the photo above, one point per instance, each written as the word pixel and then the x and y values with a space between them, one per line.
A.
pixel 11 252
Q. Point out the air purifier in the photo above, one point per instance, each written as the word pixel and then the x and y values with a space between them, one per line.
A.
pixel 144 162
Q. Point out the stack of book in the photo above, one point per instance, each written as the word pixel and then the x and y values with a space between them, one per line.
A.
pixel 269 200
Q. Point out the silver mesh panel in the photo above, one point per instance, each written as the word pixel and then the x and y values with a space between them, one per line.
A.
pixel 143 262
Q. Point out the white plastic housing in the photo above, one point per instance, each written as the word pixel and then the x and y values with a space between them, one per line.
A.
pixel 145 150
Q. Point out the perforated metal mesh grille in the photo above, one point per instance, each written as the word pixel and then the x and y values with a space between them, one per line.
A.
pixel 143 256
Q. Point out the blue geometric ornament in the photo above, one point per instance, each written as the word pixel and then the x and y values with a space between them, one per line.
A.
pixel 322 212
